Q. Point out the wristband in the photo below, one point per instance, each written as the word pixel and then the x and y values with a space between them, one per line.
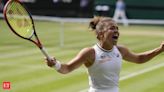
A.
pixel 57 65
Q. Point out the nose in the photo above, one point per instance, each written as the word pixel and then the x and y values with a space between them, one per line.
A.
pixel 114 28
pixel 115 31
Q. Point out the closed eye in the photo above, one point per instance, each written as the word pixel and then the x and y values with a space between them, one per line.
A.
pixel 113 28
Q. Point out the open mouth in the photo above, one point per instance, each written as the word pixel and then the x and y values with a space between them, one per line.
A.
pixel 115 37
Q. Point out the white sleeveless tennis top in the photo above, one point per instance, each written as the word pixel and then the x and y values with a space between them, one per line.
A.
pixel 104 73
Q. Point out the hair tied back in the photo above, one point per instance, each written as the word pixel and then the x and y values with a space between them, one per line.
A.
pixel 94 22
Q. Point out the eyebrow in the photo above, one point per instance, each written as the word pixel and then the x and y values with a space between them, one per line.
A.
pixel 114 26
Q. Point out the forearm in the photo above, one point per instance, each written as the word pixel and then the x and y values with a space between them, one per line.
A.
pixel 146 56
pixel 64 69
pixel 82 57
pixel 58 66
pixel 68 67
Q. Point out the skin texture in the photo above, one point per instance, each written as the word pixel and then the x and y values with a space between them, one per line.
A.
pixel 107 33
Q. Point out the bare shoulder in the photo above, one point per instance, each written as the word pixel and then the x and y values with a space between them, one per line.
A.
pixel 123 49
pixel 87 51
pixel 89 55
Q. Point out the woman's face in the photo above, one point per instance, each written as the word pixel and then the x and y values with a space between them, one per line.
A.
pixel 111 34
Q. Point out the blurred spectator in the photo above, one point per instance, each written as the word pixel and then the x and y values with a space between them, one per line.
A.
pixel 84 3
pixel 120 12
pixel 85 7
pixel 1 5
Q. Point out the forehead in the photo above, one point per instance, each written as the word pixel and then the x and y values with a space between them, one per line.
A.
pixel 110 23
pixel 105 24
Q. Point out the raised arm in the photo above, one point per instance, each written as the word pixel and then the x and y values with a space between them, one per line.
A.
pixel 140 57
pixel 85 56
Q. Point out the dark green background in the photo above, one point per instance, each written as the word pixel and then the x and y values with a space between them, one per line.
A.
pixel 136 9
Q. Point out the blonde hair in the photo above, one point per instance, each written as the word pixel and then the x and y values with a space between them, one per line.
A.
pixel 99 24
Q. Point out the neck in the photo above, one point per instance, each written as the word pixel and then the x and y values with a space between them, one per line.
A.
pixel 105 47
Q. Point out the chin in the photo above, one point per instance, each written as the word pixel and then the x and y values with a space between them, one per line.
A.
pixel 114 43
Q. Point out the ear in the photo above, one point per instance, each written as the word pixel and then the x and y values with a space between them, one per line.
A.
pixel 100 35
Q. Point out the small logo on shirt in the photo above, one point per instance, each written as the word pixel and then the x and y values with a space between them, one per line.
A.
pixel 105 58
pixel 118 55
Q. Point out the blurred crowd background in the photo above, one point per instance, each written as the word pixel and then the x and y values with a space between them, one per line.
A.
pixel 135 9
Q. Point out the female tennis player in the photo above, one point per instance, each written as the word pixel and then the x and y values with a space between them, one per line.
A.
pixel 104 59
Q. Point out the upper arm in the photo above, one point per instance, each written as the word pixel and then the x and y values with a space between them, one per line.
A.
pixel 84 56
pixel 128 55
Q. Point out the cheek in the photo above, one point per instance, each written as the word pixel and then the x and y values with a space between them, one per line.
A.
pixel 109 35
